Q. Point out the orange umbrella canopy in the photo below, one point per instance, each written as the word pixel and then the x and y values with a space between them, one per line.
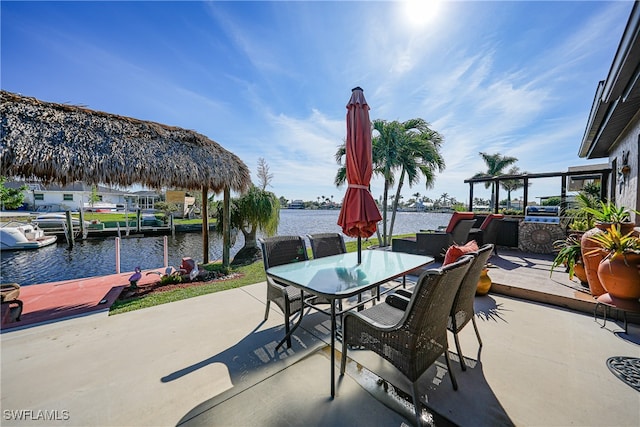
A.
pixel 359 215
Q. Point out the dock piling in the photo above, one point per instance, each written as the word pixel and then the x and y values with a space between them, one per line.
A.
pixel 69 230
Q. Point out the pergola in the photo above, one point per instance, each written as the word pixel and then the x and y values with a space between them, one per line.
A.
pixel 65 143
pixel 601 174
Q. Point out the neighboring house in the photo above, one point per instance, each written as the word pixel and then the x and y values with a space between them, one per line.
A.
pixel 613 129
pixel 55 198
pixel 183 200
pixel 296 204
pixel 146 199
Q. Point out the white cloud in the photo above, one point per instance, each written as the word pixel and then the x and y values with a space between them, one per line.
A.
pixel 274 84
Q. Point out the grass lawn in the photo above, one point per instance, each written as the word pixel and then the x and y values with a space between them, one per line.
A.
pixel 120 217
pixel 251 274
pixel 112 217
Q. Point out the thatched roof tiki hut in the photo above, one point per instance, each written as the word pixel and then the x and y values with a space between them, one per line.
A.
pixel 64 143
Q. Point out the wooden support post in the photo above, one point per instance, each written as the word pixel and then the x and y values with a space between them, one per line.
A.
pixel 563 195
pixel 69 229
pixel 226 227
pixel 205 225
pixel 117 255
pixel 83 230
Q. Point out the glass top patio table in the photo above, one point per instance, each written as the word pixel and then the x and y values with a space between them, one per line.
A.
pixel 341 276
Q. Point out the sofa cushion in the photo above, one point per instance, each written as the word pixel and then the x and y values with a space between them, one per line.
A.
pixel 456 251
pixel 457 216
pixel 490 218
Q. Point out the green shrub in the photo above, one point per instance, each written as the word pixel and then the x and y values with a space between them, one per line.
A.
pixel 217 268
pixel 170 279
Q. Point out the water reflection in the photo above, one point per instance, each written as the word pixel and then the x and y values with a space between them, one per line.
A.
pixel 96 257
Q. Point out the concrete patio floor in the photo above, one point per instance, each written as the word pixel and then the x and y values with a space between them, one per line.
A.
pixel 211 360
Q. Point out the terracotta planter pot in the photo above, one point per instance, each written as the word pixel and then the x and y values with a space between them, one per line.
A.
pixel 625 227
pixel 592 262
pixel 621 279
pixel 580 273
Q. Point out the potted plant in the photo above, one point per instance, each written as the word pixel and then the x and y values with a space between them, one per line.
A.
pixel 608 213
pixel 570 255
pixel 604 215
pixel 582 219
pixel 618 271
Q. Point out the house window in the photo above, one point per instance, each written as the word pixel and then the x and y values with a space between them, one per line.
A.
pixel 67 197
pixel 38 196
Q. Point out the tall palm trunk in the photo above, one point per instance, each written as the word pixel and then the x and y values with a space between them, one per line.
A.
pixel 385 237
pixel 395 203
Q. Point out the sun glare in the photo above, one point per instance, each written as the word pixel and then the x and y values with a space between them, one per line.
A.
pixel 419 13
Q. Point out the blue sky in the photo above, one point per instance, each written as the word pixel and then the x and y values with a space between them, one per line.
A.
pixel 271 79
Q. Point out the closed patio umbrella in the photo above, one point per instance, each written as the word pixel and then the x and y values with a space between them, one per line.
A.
pixel 359 214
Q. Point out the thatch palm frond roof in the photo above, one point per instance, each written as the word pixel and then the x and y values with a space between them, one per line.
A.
pixel 64 143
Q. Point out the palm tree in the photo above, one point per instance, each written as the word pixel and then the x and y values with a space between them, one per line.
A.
pixel 410 147
pixel 418 154
pixel 512 184
pixel 255 210
pixel 384 152
pixel 496 163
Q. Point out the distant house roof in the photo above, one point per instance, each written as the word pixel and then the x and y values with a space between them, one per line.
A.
pixel 146 193
pixel 75 186
pixel 80 186
pixel 617 98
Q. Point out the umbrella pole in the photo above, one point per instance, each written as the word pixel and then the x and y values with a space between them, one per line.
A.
pixel 359 249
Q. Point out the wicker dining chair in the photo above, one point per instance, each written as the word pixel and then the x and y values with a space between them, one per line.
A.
pixel 462 310
pixel 326 244
pixel 276 251
pixel 414 339
pixel 323 245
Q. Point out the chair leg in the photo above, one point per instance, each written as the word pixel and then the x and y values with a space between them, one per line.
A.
pixel 462 364
pixel 266 312
pixel 453 378
pixel 343 358
pixel 287 326
pixel 473 319
pixel 416 403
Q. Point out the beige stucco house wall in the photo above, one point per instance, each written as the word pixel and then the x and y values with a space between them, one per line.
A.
pixel 613 128
pixel 624 158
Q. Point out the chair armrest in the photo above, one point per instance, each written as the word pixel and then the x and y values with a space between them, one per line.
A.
pixel 433 244
pixel 404 245
pixel 275 288
pixel 398 301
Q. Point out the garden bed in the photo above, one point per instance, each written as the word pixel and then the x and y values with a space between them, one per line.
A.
pixel 157 287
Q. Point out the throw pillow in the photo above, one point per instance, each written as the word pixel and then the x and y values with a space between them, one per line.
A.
pixel 454 252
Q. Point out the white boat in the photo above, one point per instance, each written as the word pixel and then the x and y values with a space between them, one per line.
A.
pixel 56 221
pixel 17 235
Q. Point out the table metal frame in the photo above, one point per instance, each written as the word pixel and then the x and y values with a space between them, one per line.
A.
pixel 340 276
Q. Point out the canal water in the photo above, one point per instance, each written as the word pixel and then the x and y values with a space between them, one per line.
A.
pixel 97 256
